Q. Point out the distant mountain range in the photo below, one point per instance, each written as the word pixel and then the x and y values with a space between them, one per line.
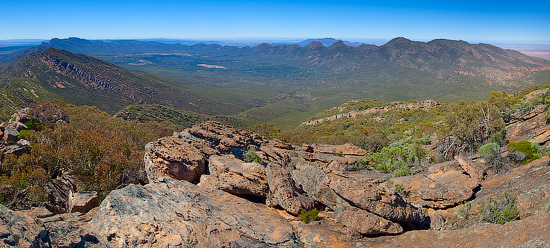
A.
pixel 328 42
pixel 445 58
pixel 270 82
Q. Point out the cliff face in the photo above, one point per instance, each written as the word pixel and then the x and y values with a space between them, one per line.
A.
pixel 201 193
pixel 84 80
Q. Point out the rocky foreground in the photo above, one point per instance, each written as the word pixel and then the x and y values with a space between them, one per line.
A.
pixel 201 193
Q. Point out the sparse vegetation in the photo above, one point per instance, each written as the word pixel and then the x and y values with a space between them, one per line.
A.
pixel 252 156
pixel 499 209
pixel 101 152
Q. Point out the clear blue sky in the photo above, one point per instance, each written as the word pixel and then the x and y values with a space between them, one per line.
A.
pixel 495 21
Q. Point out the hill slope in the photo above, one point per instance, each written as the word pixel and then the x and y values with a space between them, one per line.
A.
pixel 80 79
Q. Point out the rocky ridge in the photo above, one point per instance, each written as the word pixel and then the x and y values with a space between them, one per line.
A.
pixel 201 192
pixel 424 105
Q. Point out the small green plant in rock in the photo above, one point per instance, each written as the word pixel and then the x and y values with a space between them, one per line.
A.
pixel 397 159
pixel 399 188
pixel 304 216
pixel 314 214
pixel 251 156
pixel 464 209
pixel 309 215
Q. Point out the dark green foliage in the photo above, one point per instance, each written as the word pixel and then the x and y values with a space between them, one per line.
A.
pixel 499 209
pixel 531 150
pixel 399 188
pixel 34 124
pixel 179 119
pixel 304 216
pixel 473 124
pixel 23 134
pixel 264 129
pixel 252 156
pixel 314 214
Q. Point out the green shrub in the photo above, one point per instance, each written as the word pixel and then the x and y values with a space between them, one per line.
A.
pixel 399 188
pixel 465 209
pixel 490 152
pixel 23 134
pixel 311 215
pixel 396 159
pixel 314 214
pixel 251 156
pixel 547 116
pixel 304 216
pixel 34 124
pixel 531 150
pixel 500 209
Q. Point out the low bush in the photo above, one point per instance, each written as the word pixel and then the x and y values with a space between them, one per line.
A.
pixel 34 124
pixel 499 209
pixel 531 150
pixel 251 156
pixel 397 159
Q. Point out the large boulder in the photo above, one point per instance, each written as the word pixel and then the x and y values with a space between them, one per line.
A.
pixel 21 230
pixel 441 186
pixel 10 135
pixel 171 213
pixel 236 177
pixel 531 126
pixel 83 201
pixel 284 191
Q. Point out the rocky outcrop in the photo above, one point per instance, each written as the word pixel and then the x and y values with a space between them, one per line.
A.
pixel 530 232
pixel 83 201
pixel 531 126
pixel 20 230
pixel 424 105
pixel 256 204
pixel 236 177
pixel 171 213
pixel 183 156
pixel 65 230
pixel 442 185
pixel 293 178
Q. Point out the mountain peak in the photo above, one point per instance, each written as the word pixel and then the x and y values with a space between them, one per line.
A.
pixel 314 45
pixel 338 44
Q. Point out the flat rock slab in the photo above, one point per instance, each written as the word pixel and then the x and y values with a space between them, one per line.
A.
pixel 530 232
pixel 171 213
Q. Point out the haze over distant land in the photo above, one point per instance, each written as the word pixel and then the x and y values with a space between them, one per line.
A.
pixel 215 20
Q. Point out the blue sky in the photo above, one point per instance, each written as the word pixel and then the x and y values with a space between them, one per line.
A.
pixel 477 21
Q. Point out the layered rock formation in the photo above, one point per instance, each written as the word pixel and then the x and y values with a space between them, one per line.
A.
pixel 203 194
